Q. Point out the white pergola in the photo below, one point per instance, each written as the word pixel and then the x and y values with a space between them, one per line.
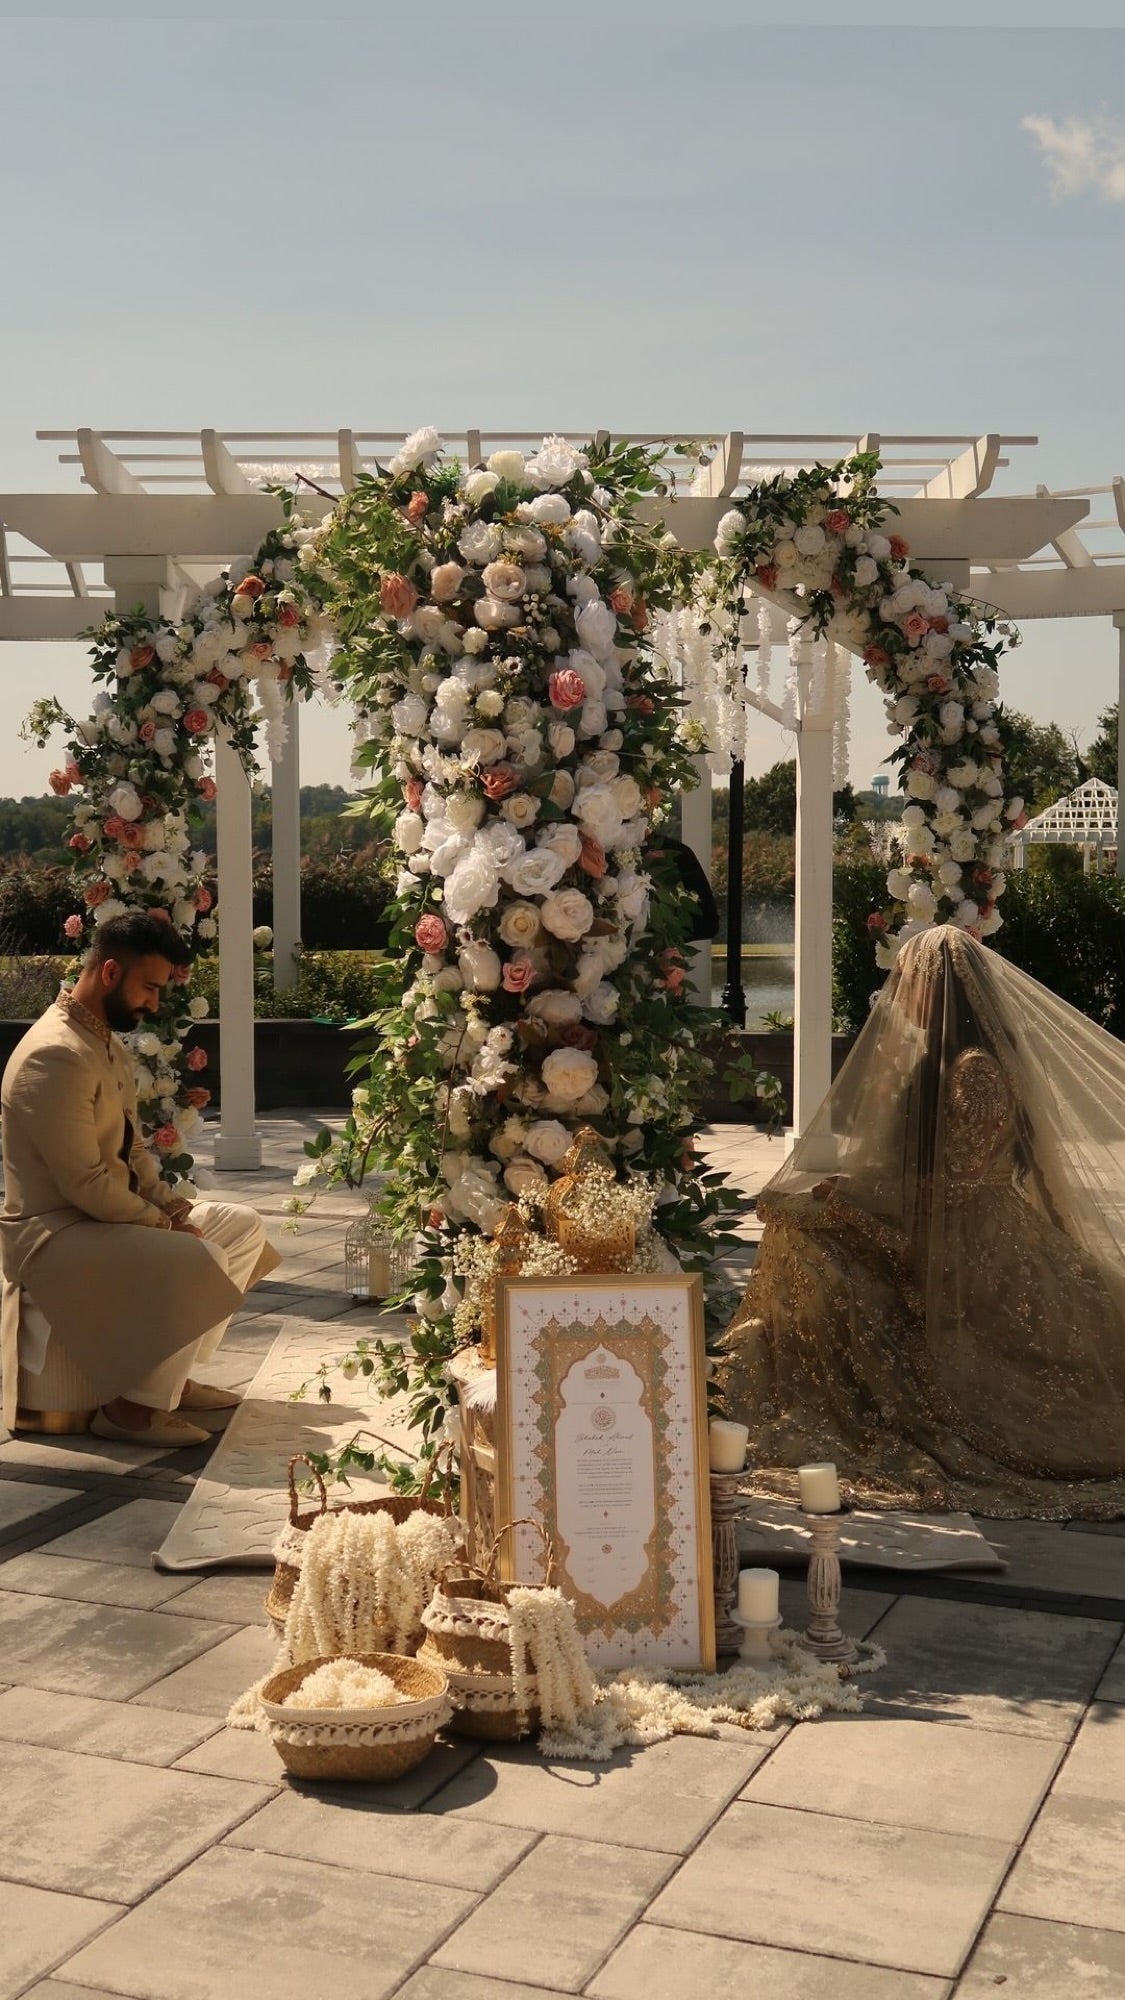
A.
pixel 159 511
pixel 1085 818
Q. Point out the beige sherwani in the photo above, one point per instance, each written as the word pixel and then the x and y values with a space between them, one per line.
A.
pixel 86 1231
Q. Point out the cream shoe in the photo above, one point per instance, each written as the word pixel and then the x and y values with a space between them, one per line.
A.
pixel 202 1396
pixel 167 1428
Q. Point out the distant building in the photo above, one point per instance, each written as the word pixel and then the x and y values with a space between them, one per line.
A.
pixel 881 785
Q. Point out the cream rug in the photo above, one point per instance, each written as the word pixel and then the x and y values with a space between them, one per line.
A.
pixel 240 1502
pixel 769 1529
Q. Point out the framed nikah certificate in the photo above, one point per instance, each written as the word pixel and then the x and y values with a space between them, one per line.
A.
pixel 602 1437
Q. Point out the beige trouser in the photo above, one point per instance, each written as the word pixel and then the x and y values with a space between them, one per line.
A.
pixel 235 1237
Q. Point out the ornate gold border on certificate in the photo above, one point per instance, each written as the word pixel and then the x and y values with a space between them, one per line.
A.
pixel 557 1346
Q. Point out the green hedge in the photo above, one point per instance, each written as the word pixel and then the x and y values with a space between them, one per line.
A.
pixel 331 986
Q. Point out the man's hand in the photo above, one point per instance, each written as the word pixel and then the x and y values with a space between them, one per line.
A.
pixel 183 1227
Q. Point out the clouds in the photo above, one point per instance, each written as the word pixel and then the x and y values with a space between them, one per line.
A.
pixel 1083 153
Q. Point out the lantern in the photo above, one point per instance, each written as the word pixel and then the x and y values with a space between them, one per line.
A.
pixel 597 1240
pixel 376 1265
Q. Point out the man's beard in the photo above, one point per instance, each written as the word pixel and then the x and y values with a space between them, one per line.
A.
pixel 122 1018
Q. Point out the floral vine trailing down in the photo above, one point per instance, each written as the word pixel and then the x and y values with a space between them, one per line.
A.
pixel 817 540
pixel 136 765
pixel 492 626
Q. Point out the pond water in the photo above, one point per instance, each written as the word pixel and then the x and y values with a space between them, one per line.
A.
pixel 767 979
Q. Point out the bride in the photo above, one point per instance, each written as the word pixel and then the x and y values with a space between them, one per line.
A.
pixel 939 1299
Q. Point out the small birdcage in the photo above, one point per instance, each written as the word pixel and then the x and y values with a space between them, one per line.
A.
pixel 376 1264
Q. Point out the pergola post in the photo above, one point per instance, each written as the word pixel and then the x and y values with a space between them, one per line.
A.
pixel 1119 622
pixel 695 832
pixel 285 792
pixel 237 1144
pixel 812 1031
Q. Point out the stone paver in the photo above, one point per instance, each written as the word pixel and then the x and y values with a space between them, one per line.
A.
pixel 232 1600
pixel 115 1729
pixel 556 1916
pixel 215 1676
pixel 919 1774
pixel 663 1797
pixel 1032 1960
pixel 64 1827
pixel 122 1584
pixel 20 1501
pixel 38 1927
pixel 662 1964
pixel 880 1894
pixel 265 1927
pixel 1027 1672
pixel 366 1835
pixel 1070 1869
pixel 1112 1685
pixel 94 1649
pixel 128 1535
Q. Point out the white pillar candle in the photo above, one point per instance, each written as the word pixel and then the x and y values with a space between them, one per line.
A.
pixel 819 1488
pixel 379 1267
pixel 758 1594
pixel 727 1445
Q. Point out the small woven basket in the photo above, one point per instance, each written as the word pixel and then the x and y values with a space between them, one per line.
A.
pixel 358 1745
pixel 468 1638
pixel 289 1548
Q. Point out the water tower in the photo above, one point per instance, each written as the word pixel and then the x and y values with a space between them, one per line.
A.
pixel 881 785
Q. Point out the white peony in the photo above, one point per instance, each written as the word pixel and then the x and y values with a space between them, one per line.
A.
pixel 410 830
pixel 596 626
pixel 962 846
pixel 728 532
pixel 966 913
pixel 899 884
pixel 410 715
pixel 473 886
pixel 569 1073
pixel 598 814
pixel 483 746
pixel 421 448
pixel 525 541
pixel 494 616
pixel 555 463
pixel 920 784
pixel 480 542
pixel 551 508
pixel 809 539
pixel 164 742
pixel 963 775
pixel 464 811
pixel 921 902
pixel 547 1140
pixel 568 914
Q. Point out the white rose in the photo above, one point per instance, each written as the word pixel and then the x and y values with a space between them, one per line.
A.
pixel 520 809
pixel 493 616
pixel 490 703
pixel 592 720
pixel 547 1140
pixel 555 463
pixel 949 874
pixel 164 742
pixel 626 796
pixel 445 581
pixel 569 1073
pixel 596 626
pixel 598 814
pixel 593 1101
pixel 519 925
pixel 866 572
pixel 509 465
pixel 167 702
pixel 921 902
pixel 125 801
pixel 508 1141
pixel 992 922
pixel 962 846
pixel 551 508
pixel 410 829
pixel 599 767
pixel 524 1176
pixel 1012 810
pixel 474 640
pixel 464 811
pixel 480 542
pixel 601 1005
pixel 479 967
pixel 557 1006
pixel 564 839
pixel 504 581
pixel 536 872
pixel 879 547
pixel 476 486
pixel 483 746
pixel 785 555
pixel 728 531
pixel 525 541
pixel 920 784
pixel 568 914
pixel 561 738
pixel 410 715
pixel 473 886
pixel 966 913
pixel 899 884
pixel 913 816
pixel 562 790
pixel 919 840
pixel 198 1008
pixel 583 590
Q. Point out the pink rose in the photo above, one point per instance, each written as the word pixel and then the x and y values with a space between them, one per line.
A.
pixel 621 599
pixel 519 973
pixel 142 656
pixel 80 843
pixel 218 680
pixel 73 772
pixel 939 684
pixel 915 627
pixel 59 783
pixel 132 834
pixel 288 616
pixel 412 793
pixel 430 933
pixel 166 1138
pixel 147 731
pixel 73 927
pixel 566 689
pixel 837 522
pixel 203 899
pixel 114 827
pixel 206 789
pixel 900 549
pixel 198 1098
pixel 260 650
pixel 416 507
pixel 196 1059
pixel 876 656
pixel 131 863
pixel 576 1035
pixel 876 921
pixel 499 781
pixel 98 892
pixel 197 722
pixel 397 595
pixel 251 586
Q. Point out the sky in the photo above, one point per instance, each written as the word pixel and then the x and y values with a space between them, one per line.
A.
pixel 628 215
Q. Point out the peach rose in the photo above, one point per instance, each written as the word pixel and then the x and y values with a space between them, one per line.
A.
pixel 130 863
pixel 876 656
pixel 114 827
pixel 416 507
pixel 251 586
pixel 196 1059
pixel 592 859
pixel 412 793
pixel 218 680
pixel 766 574
pixel 59 783
pixel 445 582
pixel 261 649
pixel 915 626
pixel 621 599
pixel 73 927
pixel 566 689
pixel 837 522
pixel 638 617
pixel 132 834
pixel 141 656
pixel 206 789
pixel 519 974
pixel 202 899
pixel 166 1138
pixel 198 1097
pixel 397 595
pixel 288 615
pixel 197 722
pixel 147 731
pixel 80 843
pixel 430 933
pixel 900 549
pixel 98 892
pixel 499 781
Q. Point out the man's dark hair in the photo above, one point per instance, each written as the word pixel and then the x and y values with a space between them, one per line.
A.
pixel 138 934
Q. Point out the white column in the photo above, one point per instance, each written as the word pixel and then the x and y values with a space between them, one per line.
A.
pixel 695 831
pixel 152 584
pixel 237 1143
pixel 1119 621
pixel 812 1032
pixel 285 792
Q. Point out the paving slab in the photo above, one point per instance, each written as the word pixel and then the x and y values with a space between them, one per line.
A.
pixel 363 1833
pixel 881 1895
pixel 662 1797
pixel 553 1920
pixel 215 1675
pixel 228 1753
pixel 1095 1767
pixel 95 1649
pixel 435 1982
pixel 21 1500
pixel 38 1927
pixel 1112 1685
pixel 677 1965
pixel 128 1535
pixel 1032 1960
pixel 69 1825
pixel 245 1753
pixel 1041 1555
pixel 1070 1868
pixel 100 1728
pixel 232 1600
pixel 1029 1673
pixel 84 1455
pixel 122 1584
pixel 919 1774
pixel 270 1928
pixel 860 1610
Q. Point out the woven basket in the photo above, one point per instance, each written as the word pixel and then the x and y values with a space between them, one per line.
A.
pixel 289 1547
pixel 358 1745
pixel 468 1636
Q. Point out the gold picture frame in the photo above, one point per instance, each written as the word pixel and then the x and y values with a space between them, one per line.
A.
pixel 601 1436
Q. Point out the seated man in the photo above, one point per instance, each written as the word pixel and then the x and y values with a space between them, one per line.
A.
pixel 136 1284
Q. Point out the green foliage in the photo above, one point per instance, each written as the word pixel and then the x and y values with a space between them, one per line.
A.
pixel 1040 763
pixel 858 892
pixel 770 802
pixel 344 900
pixel 1100 760
pixel 35 901
pixel 336 986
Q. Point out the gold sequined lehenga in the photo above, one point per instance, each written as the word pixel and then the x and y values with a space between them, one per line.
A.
pixel 939 1299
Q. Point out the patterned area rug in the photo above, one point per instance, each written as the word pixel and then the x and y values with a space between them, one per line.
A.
pixel 241 1501
pixel 770 1530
